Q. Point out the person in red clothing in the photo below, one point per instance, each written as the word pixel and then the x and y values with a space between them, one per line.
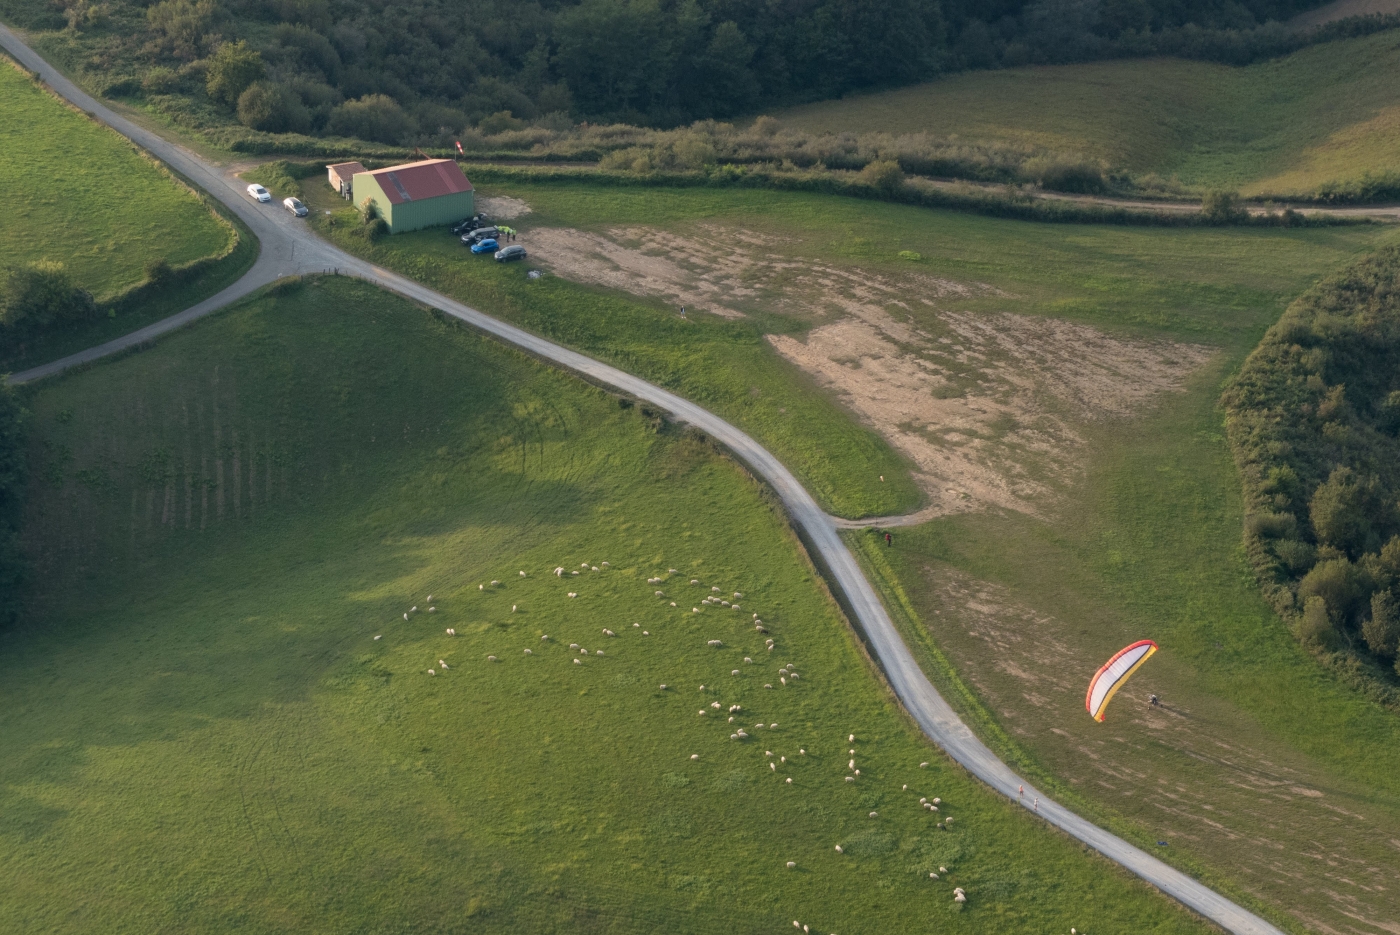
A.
pixel 889 540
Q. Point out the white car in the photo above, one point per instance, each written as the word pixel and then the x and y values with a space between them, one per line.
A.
pixel 295 206
pixel 259 193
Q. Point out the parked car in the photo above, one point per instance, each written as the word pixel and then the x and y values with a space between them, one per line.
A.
pixel 513 252
pixel 470 224
pixel 295 206
pixel 488 245
pixel 479 234
pixel 260 193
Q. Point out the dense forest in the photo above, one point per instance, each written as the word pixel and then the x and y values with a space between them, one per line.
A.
pixel 419 71
pixel 1314 421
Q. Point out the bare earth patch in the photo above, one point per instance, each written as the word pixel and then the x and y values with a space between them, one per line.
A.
pixel 990 408
pixel 1293 838
pixel 502 207
pixel 991 411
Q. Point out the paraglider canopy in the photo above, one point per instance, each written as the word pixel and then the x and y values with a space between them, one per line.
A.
pixel 1114 674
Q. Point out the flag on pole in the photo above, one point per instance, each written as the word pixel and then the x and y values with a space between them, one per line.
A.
pixel 459 147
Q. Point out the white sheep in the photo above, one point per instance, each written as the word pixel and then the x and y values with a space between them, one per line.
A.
pixel 850 779
pixel 431 672
pixel 451 631
pixel 573 594
pixel 768 686
pixel 597 652
pixel 443 664
pixel 405 616
pixel 522 574
pixel 573 573
pixel 733 736
pixel 559 572
pixel 663 686
pixel 923 765
pixel 801 752
pixel 512 608
pixel 758 727
pixel 851 739
pixel 606 565
pixel 429 599
pixel 743 736
pixel 573 646
pixel 584 565
pixel 772 726
pixel 490 658
pixel 494 583
pixel 413 609
pixel 646 633
pixel 933 876
pixel 545 638
pixel 838 849
pixel 714 704
pixel 857 772
pixel 874 814
pixel 773 767
pixel 737 594
pixel 660 593
pixel 784 681
pixel 695 610
pixel 851 764
pixel 715 643
pixel 695 756
pixel 733 708
pixel 670 571
pixel 714 589
pixel 694 580
pixel 607 632
pixel 636 625
pixel 432 610
pixel 734 672
pixel 736 607
pixel 790 865
pixel 702 712
pixel 578 662
pixel 747 659
pixel 595 567
pixel 380 636
pixel 789 780
pixel 959 898
pixel 529 652
pixel 481 587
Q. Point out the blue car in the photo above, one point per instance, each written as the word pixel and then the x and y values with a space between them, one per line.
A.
pixel 486 246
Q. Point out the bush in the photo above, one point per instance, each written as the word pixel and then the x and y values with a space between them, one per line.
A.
pixel 39 295
pixel 376 117
pixel 883 175
pixel 232 70
pixel 1351 513
pixel 274 108
pixel 1222 208
pixel 1382 631
pixel 158 272
pixel 1315 626
pixel 1060 175
pixel 1341 584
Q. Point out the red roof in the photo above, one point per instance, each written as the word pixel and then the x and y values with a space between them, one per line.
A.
pixel 346 170
pixel 416 181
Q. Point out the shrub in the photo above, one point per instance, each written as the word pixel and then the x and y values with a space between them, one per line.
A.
pixel 1222 208
pixel 376 117
pixel 274 108
pixel 1315 626
pixel 883 175
pixel 40 294
pixel 1338 582
pixel 1351 513
pixel 1062 175
pixel 1382 630
pixel 158 272
pixel 232 69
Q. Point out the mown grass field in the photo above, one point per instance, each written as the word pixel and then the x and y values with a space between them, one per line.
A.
pixel 82 196
pixel 1329 113
pixel 202 733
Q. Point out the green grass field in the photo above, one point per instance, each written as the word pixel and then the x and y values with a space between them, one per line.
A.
pixel 202 733
pixel 1328 113
pixel 81 195
pixel 1148 281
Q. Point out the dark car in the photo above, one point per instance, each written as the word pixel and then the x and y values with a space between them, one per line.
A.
pixel 486 246
pixel 478 235
pixel 470 224
pixel 513 252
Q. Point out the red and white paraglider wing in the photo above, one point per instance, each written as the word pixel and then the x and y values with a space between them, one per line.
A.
pixel 1114 674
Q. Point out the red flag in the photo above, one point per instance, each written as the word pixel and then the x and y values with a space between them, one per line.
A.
pixel 459 147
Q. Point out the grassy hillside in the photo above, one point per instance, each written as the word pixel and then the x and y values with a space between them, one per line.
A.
pixel 1326 114
pixel 80 195
pixel 202 732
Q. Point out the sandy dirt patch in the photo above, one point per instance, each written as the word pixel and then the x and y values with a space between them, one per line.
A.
pixel 992 411
pixel 1190 771
pixel 502 207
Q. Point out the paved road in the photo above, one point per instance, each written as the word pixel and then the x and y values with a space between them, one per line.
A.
pixel 289 247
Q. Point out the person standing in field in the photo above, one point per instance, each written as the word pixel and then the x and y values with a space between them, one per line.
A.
pixel 889 539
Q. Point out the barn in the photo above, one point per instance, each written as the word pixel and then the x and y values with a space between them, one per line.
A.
pixel 417 195
pixel 341 174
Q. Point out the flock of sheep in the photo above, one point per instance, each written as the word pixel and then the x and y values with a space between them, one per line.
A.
pixel 787 674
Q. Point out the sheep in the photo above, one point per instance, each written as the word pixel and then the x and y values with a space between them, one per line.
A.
pixel 584 565
pixel 773 767
pixel 715 643
pixel 770 649
pixel 743 736
pixel 853 751
pixel 959 898
pixel 784 681
pixel 522 574
pixel 413 609
pixel 783 759
pixel 577 661
pixel 529 652
pixel 694 580
pixel 923 801
pixel 850 779
pixel 714 589
pixel 597 652
pixel 573 573
pixel 761 629
pixel 582 651
pixel 545 638
pixel 838 849
pixel 767 752
pixel 573 594
pixel 851 739
pixel 790 865
pixel 801 752
pixel 380 636
pixel 958 890
pixel 606 565
pixel 442 663
pixel 937 801
pixel 663 686
pixel 942 869
pixel 432 610
pixel 874 814
pixel 933 876
pixel 857 772
pixel 702 687
pixel 512 608
pixel 904 788
pixel 695 610
pixel 695 756
pixel 702 712
pixel 660 593
pixel 724 603
pixel 595 567
pixel 490 658
pixel 481 587
pixel 731 719
pixel 714 704
pixel 607 632
pixel 429 599
pixel 851 764
pixel 789 780
pixel 734 672
pixel 755 616
pixel 748 660
pixel 451 631
pixel 733 708
pixel 737 594
pixel 733 736
pixel 646 633
pixel 736 607
pixel 772 726
pixel 673 603
pixel 405 616
pixel 636 625
pixel 559 572
pixel 768 686
pixel 431 672
pixel 494 583
pixel 923 765
pixel 574 647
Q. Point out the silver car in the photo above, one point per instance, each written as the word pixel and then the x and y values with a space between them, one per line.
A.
pixel 295 206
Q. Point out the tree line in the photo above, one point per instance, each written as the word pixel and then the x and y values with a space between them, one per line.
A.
pixel 420 71
pixel 1314 421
